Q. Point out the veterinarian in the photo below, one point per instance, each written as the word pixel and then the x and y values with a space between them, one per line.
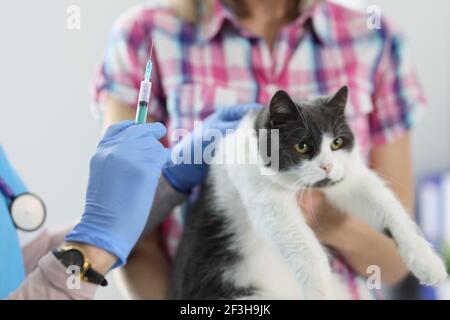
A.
pixel 216 53
pixel 124 176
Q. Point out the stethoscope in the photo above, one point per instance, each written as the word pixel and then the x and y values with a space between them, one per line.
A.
pixel 27 210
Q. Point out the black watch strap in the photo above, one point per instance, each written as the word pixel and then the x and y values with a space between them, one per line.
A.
pixel 86 269
pixel 93 276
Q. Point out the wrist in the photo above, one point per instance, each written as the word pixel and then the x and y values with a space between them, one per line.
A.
pixel 339 236
pixel 102 237
pixel 101 259
pixel 331 232
pixel 185 177
pixel 329 223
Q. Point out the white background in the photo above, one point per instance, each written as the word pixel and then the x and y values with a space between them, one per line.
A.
pixel 48 131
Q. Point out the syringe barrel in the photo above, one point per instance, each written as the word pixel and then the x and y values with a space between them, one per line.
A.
pixel 144 92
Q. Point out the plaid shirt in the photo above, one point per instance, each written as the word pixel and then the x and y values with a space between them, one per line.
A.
pixel 218 63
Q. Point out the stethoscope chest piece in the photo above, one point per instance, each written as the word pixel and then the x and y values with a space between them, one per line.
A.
pixel 27 211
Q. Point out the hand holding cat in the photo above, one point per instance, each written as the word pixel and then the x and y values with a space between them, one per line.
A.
pixel 319 214
pixel 186 175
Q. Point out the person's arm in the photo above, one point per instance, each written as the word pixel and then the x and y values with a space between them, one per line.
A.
pixel 166 198
pixel 397 100
pixel 116 111
pixel 358 243
pixel 115 91
pixel 146 274
pixel 124 174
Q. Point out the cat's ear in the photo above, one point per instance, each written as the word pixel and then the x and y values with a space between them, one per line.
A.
pixel 281 104
pixel 339 99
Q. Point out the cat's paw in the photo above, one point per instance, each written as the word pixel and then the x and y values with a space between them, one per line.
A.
pixel 424 263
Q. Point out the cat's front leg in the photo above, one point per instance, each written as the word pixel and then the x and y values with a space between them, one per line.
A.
pixel 367 197
pixel 278 218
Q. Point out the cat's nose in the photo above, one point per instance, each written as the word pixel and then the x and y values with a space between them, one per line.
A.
pixel 326 167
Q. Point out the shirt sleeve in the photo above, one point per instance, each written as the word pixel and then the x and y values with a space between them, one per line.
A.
pixel 43 243
pixel 50 281
pixel 398 98
pixel 123 65
pixel 46 276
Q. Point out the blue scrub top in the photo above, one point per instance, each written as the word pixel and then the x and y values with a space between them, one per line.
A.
pixel 12 270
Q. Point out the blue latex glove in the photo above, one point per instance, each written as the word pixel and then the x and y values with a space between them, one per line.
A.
pixel 124 174
pixel 185 176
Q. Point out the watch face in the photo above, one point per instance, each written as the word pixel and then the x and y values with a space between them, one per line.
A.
pixel 72 257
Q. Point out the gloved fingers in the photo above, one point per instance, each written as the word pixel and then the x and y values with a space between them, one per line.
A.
pixel 227 125
pixel 146 141
pixel 152 153
pixel 117 128
pixel 156 130
pixel 149 141
pixel 237 112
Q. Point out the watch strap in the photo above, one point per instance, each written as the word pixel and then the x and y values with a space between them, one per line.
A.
pixel 93 276
pixel 88 273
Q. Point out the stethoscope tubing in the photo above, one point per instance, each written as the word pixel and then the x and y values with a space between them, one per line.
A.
pixel 6 190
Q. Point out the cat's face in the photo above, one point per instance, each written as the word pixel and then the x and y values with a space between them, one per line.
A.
pixel 315 141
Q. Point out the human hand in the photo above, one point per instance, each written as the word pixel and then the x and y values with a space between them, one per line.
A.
pixel 185 176
pixel 319 214
pixel 124 174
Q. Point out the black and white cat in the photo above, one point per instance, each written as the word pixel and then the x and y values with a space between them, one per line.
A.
pixel 246 238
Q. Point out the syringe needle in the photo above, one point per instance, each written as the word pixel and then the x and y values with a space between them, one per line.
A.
pixel 151 50
pixel 148 69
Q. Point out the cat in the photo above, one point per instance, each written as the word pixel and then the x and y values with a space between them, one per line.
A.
pixel 246 238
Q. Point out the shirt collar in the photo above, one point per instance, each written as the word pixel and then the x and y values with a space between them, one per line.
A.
pixel 214 22
pixel 219 14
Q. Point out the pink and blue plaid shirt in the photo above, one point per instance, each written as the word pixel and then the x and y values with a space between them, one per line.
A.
pixel 218 63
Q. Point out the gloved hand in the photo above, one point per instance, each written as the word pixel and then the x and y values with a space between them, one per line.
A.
pixel 124 174
pixel 185 176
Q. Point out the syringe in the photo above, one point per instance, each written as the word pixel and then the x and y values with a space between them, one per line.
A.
pixel 144 93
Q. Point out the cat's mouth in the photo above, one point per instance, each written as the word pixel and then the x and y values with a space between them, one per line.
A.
pixel 327 182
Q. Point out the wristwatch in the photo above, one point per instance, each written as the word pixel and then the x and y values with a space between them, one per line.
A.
pixel 73 256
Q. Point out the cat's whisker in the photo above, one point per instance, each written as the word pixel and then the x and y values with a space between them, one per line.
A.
pixel 303 181
pixel 298 182
pixel 301 195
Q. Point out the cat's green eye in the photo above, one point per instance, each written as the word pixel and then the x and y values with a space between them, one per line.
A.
pixel 301 148
pixel 337 144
